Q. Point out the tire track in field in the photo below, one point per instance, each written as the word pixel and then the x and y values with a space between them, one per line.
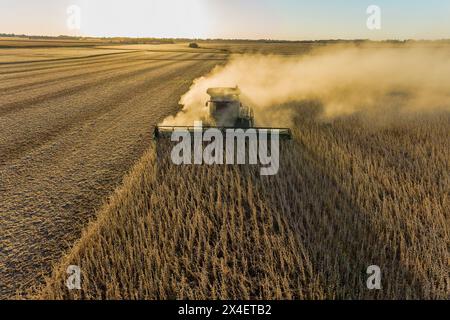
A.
pixel 61 59
pixel 14 72
pixel 21 144
pixel 14 77
pixel 46 81
pixel 51 79
pixel 57 68
pixel 68 88
pixel 11 71
pixel 30 94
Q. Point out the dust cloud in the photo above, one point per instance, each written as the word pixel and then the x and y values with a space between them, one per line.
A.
pixel 345 81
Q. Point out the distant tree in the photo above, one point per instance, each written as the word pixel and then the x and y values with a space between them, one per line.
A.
pixel 193 45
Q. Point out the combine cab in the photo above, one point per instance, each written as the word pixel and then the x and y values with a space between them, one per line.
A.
pixel 225 112
pixel 226 109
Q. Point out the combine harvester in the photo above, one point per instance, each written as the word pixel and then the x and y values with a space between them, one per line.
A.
pixel 225 112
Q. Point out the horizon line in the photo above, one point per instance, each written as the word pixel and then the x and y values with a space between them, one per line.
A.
pixel 218 39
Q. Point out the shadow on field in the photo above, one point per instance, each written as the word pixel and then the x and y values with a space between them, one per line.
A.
pixel 341 238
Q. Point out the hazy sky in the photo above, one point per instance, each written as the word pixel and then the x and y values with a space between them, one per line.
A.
pixel 276 19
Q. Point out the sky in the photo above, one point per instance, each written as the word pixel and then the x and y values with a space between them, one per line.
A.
pixel 245 19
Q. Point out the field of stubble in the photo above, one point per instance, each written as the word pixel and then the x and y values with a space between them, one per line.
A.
pixel 70 128
pixel 347 195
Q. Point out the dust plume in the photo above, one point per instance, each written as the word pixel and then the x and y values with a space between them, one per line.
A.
pixel 386 82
